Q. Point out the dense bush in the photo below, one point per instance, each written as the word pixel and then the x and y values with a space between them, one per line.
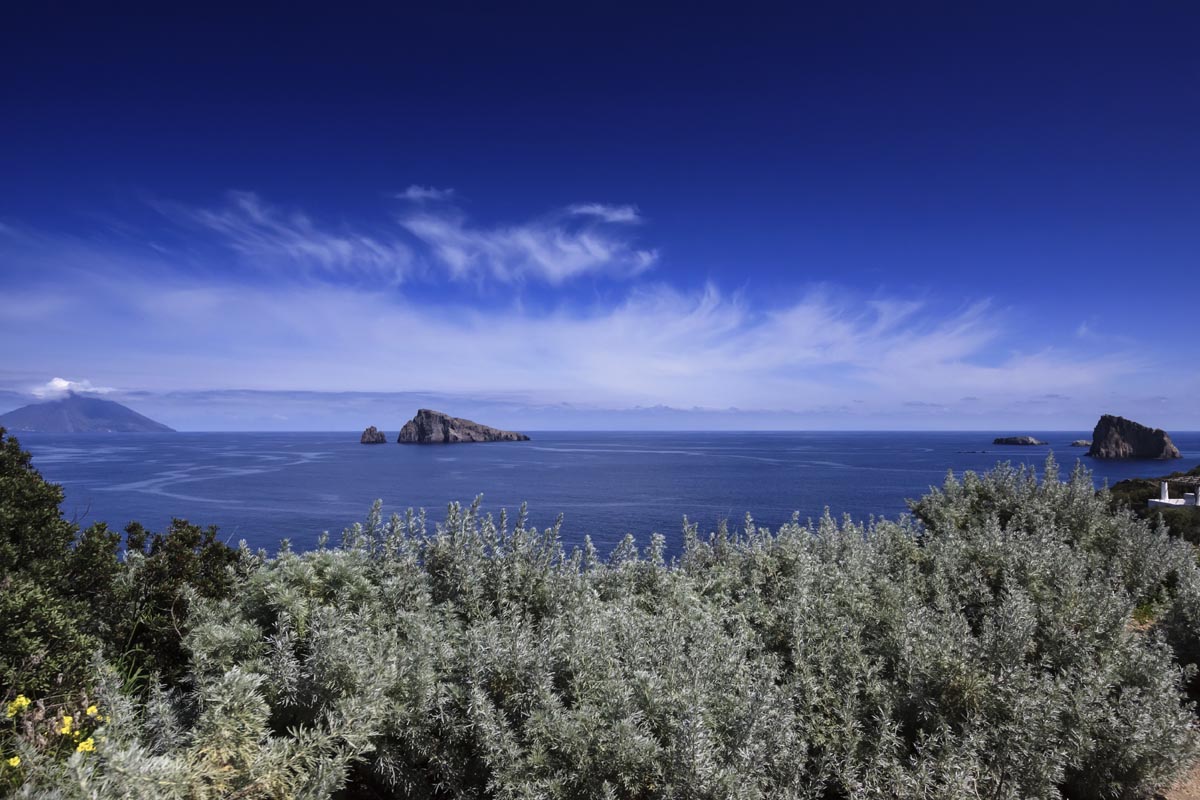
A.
pixel 67 594
pixel 1014 638
pixel 162 571
pixel 70 605
pixel 45 582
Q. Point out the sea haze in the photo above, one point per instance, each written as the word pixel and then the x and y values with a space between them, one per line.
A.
pixel 262 487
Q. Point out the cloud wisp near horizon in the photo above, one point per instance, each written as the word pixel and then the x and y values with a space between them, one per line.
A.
pixel 563 311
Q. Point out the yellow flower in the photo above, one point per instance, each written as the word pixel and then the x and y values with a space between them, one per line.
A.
pixel 15 761
pixel 18 705
pixel 86 746
pixel 92 711
pixel 66 724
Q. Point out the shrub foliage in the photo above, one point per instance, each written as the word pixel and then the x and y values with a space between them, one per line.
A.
pixel 1012 638
pixel 68 594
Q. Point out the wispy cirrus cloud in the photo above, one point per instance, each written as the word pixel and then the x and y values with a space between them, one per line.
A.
pixel 657 346
pixel 606 213
pixel 590 239
pixel 554 250
pixel 267 235
pixel 420 194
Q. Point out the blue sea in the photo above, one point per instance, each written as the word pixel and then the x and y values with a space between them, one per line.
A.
pixel 263 487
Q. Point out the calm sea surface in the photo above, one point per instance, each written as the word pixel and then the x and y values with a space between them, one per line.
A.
pixel 262 487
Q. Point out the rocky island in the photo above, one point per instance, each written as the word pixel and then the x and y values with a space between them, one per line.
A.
pixel 434 427
pixel 1081 443
pixel 373 435
pixel 1116 437
pixel 1025 441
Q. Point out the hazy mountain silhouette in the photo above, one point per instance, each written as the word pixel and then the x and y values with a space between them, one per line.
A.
pixel 78 413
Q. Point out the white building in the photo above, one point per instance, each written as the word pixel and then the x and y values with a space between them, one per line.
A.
pixel 1166 501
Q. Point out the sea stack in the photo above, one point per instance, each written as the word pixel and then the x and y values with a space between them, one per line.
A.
pixel 1024 441
pixel 434 427
pixel 1117 437
pixel 373 435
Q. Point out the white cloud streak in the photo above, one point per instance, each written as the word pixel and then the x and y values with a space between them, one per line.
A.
pixel 60 387
pixel 420 194
pixel 614 214
pixel 582 240
pixel 706 349
pixel 554 250
pixel 267 236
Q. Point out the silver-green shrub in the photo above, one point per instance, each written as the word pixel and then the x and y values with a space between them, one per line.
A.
pixel 1013 638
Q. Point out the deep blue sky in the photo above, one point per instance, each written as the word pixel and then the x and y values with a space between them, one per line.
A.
pixel 845 215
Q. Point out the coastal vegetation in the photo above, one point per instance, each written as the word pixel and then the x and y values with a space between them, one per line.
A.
pixel 1135 493
pixel 1019 635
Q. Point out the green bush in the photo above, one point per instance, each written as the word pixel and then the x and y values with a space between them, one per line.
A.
pixel 68 594
pixel 162 572
pixel 52 592
pixel 34 538
pixel 1013 638
pixel 45 648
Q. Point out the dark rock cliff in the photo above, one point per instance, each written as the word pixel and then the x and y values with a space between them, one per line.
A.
pixel 1117 437
pixel 434 427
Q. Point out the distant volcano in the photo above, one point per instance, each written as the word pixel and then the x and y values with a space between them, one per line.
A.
pixel 77 413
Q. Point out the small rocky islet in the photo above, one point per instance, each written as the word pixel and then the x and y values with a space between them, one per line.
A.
pixel 1023 441
pixel 373 435
pixel 435 427
pixel 1114 438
